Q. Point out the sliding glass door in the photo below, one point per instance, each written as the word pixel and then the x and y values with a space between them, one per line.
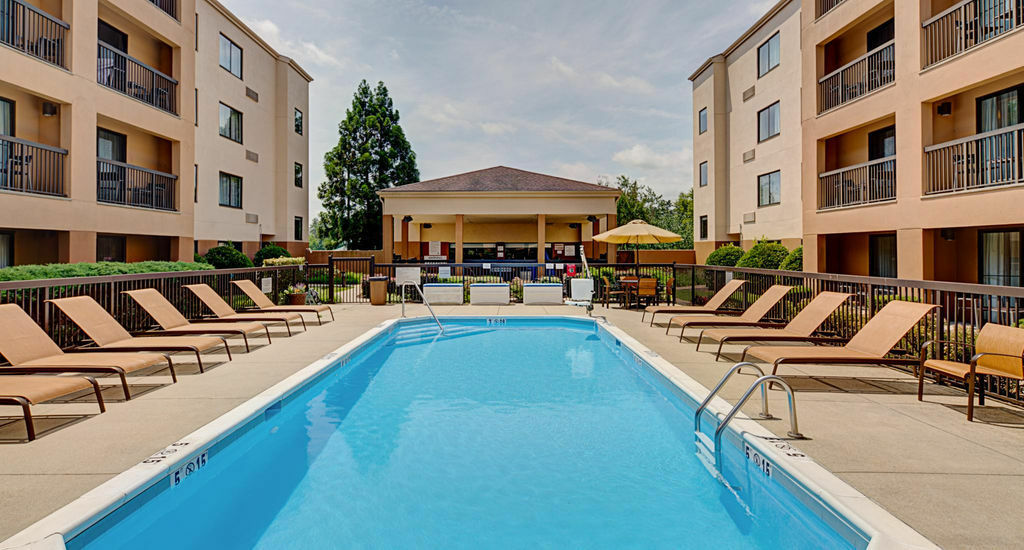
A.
pixel 882 259
pixel 999 258
pixel 6 129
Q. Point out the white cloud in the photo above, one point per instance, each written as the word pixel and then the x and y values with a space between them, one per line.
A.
pixel 579 171
pixel 642 156
pixel 301 51
pixel 603 79
pixel 497 128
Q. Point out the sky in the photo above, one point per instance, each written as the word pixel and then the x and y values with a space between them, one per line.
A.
pixel 585 90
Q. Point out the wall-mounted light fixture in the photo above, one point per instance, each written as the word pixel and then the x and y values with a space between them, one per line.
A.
pixel 591 218
pixel 49 109
pixel 407 219
pixel 426 226
pixel 948 234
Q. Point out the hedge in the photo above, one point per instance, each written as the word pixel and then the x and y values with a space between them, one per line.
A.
pixel 726 255
pixel 284 261
pixel 98 269
pixel 226 257
pixel 794 261
pixel 764 255
pixel 268 252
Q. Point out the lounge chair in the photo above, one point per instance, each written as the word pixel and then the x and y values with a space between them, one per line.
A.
pixel 800 329
pixel 223 310
pixel 998 351
pixel 173 323
pixel 30 351
pixel 868 347
pixel 109 335
pixel 713 305
pixel 25 391
pixel 263 304
pixel 751 317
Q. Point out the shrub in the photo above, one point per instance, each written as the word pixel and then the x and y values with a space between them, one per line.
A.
pixel 284 261
pixel 196 258
pixel 726 255
pixel 268 252
pixel 226 257
pixel 794 261
pixel 764 255
pixel 60 271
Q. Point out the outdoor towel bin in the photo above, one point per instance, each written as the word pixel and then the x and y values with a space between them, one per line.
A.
pixel 378 290
pixel 490 294
pixel 542 293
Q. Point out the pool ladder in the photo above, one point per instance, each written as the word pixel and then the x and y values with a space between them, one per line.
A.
pixel 416 285
pixel 762 382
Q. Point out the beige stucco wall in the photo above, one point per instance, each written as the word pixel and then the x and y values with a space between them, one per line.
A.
pixel 910 101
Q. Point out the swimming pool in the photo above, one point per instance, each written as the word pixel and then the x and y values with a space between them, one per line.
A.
pixel 505 432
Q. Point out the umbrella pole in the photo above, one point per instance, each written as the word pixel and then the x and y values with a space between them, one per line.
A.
pixel 636 256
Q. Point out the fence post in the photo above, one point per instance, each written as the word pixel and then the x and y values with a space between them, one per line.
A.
pixel 373 266
pixel 693 285
pixel 330 278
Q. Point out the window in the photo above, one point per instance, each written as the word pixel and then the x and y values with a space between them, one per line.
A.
pixel 298 175
pixel 768 123
pixel 999 110
pixel 230 56
pixel 298 122
pixel 768 55
pixel 111 145
pixel 230 123
pixel 110 248
pixel 195 185
pixel 196 100
pixel 6 250
pixel 704 174
pixel 882 143
pixel 197 32
pixel 298 228
pixel 112 36
pixel 999 260
pixel 882 260
pixel 769 188
pixel 702 121
pixel 230 190
pixel 881 34
pixel 703 227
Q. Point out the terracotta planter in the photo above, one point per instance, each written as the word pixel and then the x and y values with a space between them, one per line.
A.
pixel 296 299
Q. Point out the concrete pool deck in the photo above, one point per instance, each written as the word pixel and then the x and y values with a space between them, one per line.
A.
pixel 960 484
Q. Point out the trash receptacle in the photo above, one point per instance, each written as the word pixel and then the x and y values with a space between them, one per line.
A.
pixel 378 290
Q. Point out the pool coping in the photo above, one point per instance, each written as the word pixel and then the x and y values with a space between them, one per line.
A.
pixel 882 529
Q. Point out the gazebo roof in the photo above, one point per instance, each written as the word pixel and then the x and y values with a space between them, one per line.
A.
pixel 501 179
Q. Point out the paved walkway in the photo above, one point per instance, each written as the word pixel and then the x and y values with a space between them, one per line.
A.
pixel 960 484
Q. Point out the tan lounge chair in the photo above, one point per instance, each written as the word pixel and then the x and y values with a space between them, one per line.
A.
pixel 223 310
pixel 109 335
pixel 799 329
pixel 25 391
pixel 263 304
pixel 868 347
pixel 713 304
pixel 31 351
pixel 174 323
pixel 998 351
pixel 751 317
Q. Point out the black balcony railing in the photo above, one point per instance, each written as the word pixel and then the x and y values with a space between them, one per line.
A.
pixel 858 78
pixel 867 183
pixel 170 7
pixel 991 159
pixel 120 183
pixel 119 71
pixel 27 28
pixel 28 167
pixel 824 6
pixel 968 24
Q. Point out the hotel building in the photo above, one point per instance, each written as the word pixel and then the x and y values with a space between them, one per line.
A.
pixel 115 143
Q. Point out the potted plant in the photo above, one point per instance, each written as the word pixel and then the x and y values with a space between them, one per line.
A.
pixel 295 295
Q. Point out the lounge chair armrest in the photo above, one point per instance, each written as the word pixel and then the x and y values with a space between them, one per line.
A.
pixel 981 354
pixel 217 320
pixel 64 369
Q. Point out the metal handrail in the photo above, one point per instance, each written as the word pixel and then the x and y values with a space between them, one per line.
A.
pixel 140 63
pixel 856 166
pixel 794 430
pixel 855 61
pixel 975 137
pixel 401 288
pixel 28 143
pixel 42 13
pixel 139 168
pixel 735 368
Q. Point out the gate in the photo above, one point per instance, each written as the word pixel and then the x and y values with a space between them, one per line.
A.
pixel 341 280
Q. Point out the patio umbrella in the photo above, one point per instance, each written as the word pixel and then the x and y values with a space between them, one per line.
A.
pixel 637 232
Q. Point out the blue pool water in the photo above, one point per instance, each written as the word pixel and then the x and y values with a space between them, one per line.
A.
pixel 533 434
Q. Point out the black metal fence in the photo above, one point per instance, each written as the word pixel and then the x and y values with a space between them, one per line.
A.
pixel 107 290
pixel 122 72
pixel 33 31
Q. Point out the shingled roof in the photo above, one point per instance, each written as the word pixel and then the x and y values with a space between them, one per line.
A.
pixel 500 179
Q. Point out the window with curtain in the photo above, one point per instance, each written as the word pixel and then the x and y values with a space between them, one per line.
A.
pixel 230 56
pixel 230 190
pixel 6 250
pixel 6 129
pixel 882 260
pixel 768 55
pixel 769 188
pixel 769 122
pixel 999 261
pixel 230 123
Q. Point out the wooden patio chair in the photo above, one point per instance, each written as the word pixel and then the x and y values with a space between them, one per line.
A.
pixel 25 391
pixel 869 346
pixel 608 291
pixel 263 304
pixel 108 335
pixel 800 329
pixel 713 305
pixel 647 291
pixel 751 317
pixel 30 350
pixel 223 310
pixel 998 351
pixel 173 323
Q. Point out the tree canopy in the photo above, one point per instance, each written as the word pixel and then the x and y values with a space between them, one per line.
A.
pixel 372 154
pixel 640 202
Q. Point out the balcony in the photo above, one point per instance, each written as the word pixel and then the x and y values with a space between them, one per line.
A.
pixel 968 25
pixel 170 7
pixel 30 30
pixel 860 184
pixel 991 159
pixel 857 78
pixel 128 185
pixel 33 168
pixel 821 7
pixel 121 72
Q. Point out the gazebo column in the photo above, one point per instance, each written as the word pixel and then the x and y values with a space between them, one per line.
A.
pixel 404 249
pixel 388 225
pixel 542 221
pixel 613 249
pixel 458 238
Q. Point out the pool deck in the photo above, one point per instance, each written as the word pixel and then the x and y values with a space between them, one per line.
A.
pixel 960 484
